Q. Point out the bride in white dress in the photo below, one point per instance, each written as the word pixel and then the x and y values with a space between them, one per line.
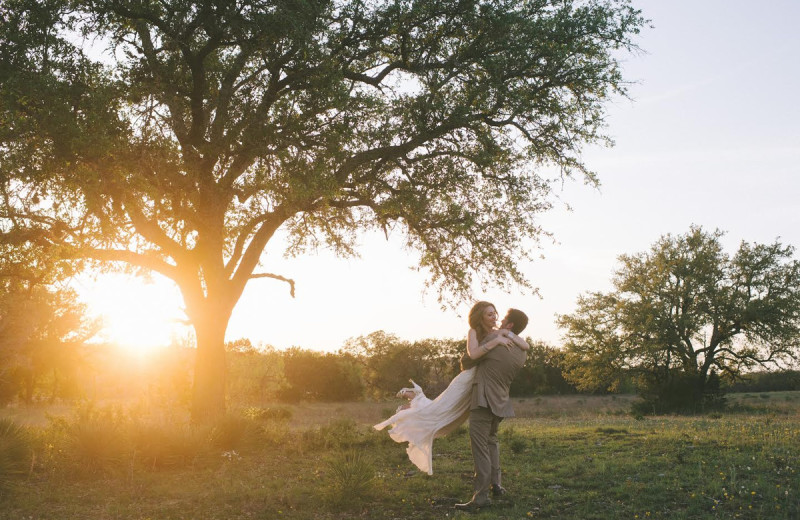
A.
pixel 425 420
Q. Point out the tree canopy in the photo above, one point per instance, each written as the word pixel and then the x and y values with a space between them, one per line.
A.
pixel 687 309
pixel 180 136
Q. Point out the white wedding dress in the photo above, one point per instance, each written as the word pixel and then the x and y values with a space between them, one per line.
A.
pixel 426 420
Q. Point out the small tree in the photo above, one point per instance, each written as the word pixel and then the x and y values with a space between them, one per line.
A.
pixel 317 376
pixel 390 362
pixel 683 312
pixel 256 374
pixel 42 323
pixel 441 361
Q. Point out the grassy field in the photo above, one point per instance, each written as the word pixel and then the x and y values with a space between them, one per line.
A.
pixel 571 457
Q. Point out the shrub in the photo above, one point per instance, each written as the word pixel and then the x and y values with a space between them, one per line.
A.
pixel 96 445
pixel 275 434
pixel 15 454
pixel 514 440
pixel 9 387
pixel 91 441
pixel 167 445
pixel 278 414
pixel 234 433
pixel 681 393
pixel 783 380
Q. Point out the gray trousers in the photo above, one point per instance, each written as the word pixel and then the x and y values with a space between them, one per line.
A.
pixel 483 426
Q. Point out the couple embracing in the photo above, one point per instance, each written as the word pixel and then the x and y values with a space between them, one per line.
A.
pixel 480 391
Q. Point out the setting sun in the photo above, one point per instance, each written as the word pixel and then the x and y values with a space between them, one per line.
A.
pixel 138 315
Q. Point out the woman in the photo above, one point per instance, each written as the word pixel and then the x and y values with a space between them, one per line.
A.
pixel 424 421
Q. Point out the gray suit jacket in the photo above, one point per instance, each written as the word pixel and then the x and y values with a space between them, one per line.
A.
pixel 496 369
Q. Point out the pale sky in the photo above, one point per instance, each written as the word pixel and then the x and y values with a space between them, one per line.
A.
pixel 711 137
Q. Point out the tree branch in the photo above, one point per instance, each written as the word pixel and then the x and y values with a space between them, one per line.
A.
pixel 276 277
pixel 252 254
pixel 152 231
pixel 133 258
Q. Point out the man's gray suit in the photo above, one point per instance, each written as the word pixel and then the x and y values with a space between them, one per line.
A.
pixel 490 405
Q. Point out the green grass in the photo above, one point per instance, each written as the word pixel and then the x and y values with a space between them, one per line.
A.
pixel 563 458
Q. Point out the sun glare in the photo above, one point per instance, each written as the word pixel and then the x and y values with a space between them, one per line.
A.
pixel 140 316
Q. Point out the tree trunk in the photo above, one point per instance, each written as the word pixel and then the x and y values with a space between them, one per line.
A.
pixel 208 393
pixel 30 385
pixel 54 392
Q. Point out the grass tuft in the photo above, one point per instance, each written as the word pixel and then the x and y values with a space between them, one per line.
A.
pixel 95 441
pixel 514 440
pixel 349 480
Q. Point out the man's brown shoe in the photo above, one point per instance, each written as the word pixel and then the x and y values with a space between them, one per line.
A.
pixel 498 491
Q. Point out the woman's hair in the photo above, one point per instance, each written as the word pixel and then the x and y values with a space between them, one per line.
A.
pixel 476 318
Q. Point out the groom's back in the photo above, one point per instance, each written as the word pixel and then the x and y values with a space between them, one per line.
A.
pixel 493 378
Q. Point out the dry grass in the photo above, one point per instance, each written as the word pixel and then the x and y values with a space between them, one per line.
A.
pixel 308 415
pixel 564 457
pixel 36 415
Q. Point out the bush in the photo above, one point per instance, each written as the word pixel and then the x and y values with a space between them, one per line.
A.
pixel 279 414
pixel 780 381
pixel 89 442
pixel 8 386
pixel 681 393
pixel 234 433
pixel 96 444
pixel 166 446
pixel 15 454
pixel 274 423
pixel 106 440
pixel 516 442
pixel 543 373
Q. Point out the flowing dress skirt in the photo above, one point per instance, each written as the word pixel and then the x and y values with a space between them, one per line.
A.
pixel 426 420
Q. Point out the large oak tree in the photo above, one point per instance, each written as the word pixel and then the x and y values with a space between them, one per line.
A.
pixel 685 310
pixel 179 136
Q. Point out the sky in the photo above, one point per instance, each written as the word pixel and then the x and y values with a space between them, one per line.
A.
pixel 710 137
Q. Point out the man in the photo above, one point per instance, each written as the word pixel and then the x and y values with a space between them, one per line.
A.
pixel 490 405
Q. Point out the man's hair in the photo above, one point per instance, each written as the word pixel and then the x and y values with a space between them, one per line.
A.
pixel 518 318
